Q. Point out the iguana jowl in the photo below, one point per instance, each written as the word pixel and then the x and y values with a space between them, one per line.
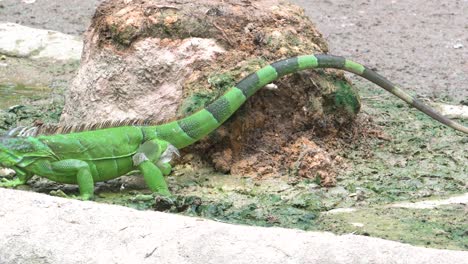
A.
pixel 86 157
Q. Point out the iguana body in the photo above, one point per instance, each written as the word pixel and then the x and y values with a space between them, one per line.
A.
pixel 86 157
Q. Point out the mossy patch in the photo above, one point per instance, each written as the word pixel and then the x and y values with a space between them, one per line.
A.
pixel 195 102
pixel 346 97
pixel 13 94
pixel 200 95
pixel 440 228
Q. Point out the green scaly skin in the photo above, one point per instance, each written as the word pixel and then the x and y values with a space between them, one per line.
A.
pixel 87 157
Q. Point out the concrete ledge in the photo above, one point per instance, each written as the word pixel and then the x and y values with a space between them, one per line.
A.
pixel 37 228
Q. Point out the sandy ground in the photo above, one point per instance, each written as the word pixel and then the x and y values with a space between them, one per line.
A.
pixel 420 45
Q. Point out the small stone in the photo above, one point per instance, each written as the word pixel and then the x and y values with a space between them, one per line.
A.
pixel 458 46
pixel 58 193
pixel 440 232
pixel 170 20
pixel 357 224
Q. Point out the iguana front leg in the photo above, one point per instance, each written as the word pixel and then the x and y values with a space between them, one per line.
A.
pixel 78 169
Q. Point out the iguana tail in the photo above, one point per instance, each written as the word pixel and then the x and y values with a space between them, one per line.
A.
pixel 190 129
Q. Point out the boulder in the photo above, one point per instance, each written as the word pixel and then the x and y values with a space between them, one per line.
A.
pixel 162 60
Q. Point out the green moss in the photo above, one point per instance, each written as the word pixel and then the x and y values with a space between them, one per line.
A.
pixel 201 95
pixel 346 97
pixel 186 26
pixel 342 98
pixel 221 82
pixel 292 39
pixel 195 102
pixel 125 36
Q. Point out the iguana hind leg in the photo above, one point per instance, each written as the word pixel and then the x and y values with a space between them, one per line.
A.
pixel 165 168
pixel 152 174
pixel 152 159
pixel 21 178
pixel 80 170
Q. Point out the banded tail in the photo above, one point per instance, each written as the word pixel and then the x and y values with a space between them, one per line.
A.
pixel 188 130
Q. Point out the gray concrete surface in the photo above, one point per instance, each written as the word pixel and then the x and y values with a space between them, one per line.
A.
pixel 43 229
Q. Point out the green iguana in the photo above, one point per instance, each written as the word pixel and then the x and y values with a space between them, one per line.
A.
pixel 102 154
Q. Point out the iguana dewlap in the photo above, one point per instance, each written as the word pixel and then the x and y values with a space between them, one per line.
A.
pixel 98 155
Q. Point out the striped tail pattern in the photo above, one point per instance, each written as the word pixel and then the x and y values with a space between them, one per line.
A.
pixel 190 129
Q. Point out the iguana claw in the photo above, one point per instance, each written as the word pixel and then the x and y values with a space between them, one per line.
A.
pixel 163 203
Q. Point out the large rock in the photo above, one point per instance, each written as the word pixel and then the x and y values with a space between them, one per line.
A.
pixel 141 58
pixel 37 228
pixel 162 60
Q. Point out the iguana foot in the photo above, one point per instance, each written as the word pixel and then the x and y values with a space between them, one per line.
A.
pixel 163 192
pixel 10 183
pixel 85 197
pixel 60 193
